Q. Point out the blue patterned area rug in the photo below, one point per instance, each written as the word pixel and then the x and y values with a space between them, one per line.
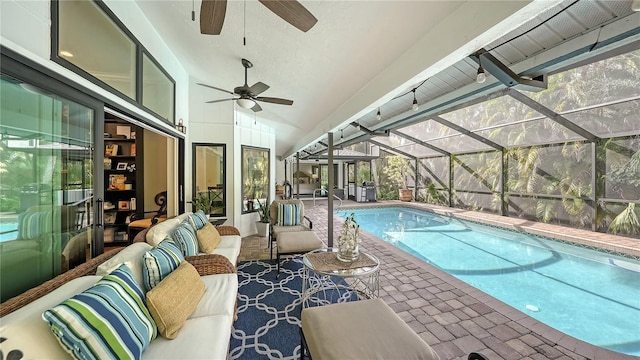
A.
pixel 268 325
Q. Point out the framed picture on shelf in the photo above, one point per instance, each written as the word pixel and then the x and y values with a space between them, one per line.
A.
pixel 111 150
pixel 133 149
pixel 107 163
pixel 110 218
pixel 122 166
pixel 123 205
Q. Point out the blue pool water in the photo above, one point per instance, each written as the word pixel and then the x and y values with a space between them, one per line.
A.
pixel 8 227
pixel 588 294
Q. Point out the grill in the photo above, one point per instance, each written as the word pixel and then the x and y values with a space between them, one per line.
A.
pixel 368 191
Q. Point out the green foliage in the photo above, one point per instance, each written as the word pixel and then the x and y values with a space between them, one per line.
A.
pixel 626 222
pixel 397 171
pixel 202 201
pixel 263 209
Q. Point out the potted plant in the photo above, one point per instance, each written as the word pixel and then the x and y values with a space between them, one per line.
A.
pixel 397 171
pixel 263 224
pixel 202 202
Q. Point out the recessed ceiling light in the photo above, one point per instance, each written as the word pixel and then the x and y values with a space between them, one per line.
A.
pixel 65 53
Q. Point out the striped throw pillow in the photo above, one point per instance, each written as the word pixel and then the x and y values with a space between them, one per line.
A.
pixel 185 236
pixel 288 214
pixel 160 262
pixel 107 321
pixel 198 219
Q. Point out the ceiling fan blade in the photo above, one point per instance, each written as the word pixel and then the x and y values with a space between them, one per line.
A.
pixel 219 100
pixel 258 88
pixel 256 108
pixel 212 14
pixel 216 88
pixel 274 100
pixel 292 12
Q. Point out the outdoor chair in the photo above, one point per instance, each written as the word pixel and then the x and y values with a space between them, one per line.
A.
pixel 286 216
pixel 137 225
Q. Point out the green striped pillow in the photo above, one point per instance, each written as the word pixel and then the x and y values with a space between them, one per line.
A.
pixel 288 214
pixel 107 321
pixel 160 262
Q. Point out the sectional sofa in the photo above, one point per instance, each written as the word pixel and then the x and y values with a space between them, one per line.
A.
pixel 195 303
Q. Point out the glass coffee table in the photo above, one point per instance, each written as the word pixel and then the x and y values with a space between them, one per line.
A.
pixel 326 280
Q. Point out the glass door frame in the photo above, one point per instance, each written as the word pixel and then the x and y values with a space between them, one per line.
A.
pixel 16 66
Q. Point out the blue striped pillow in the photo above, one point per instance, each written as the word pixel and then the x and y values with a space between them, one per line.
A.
pixel 288 214
pixel 160 262
pixel 198 219
pixel 107 321
pixel 186 238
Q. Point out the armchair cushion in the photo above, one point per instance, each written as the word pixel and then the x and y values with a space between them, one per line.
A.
pixel 108 320
pixel 289 214
pixel 208 238
pixel 160 262
pixel 175 298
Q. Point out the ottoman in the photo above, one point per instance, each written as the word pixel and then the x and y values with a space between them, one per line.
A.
pixel 297 242
pixel 366 329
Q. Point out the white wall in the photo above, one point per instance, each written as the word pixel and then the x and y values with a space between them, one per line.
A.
pixel 210 123
pixel 251 132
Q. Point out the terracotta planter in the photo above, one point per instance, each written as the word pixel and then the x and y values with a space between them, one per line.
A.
pixel 405 194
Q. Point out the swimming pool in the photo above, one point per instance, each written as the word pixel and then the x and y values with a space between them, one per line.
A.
pixel 588 294
pixel 8 231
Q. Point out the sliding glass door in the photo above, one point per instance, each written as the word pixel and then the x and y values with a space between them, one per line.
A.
pixel 47 183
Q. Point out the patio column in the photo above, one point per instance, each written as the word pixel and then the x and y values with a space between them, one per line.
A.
pixel 330 185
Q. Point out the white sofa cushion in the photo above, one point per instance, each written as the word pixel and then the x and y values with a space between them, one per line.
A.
pixel 161 231
pixel 214 304
pixel 229 253
pixel 132 257
pixel 200 338
pixel 25 330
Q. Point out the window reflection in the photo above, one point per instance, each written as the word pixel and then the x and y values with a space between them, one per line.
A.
pixel 209 179
pixel 255 177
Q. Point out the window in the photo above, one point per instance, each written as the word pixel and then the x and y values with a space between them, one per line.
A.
pixel 89 39
pixel 209 179
pixel 157 89
pixel 255 177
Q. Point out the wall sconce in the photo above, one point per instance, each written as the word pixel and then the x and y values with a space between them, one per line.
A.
pixel 181 127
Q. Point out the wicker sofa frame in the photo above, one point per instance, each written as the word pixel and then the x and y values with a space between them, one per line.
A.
pixel 205 264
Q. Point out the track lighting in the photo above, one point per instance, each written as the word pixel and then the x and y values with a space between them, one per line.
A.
pixel 341 134
pixel 378 116
pixel 481 77
pixel 415 106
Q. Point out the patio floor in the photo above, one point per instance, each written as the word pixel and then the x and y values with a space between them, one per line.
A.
pixel 453 317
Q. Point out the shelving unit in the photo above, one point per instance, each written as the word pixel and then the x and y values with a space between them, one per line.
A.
pixel 123 188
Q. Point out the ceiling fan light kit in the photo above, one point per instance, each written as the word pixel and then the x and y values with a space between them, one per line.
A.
pixel 246 103
pixel 247 96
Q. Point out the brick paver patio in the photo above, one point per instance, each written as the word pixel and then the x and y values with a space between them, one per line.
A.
pixel 453 317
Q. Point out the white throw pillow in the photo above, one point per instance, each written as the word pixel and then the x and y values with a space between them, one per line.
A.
pixel 161 231
pixel 132 257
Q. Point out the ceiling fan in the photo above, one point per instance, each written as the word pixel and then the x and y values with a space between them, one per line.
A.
pixel 212 14
pixel 247 96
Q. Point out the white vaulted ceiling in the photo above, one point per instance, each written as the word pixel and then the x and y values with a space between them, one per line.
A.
pixel 360 54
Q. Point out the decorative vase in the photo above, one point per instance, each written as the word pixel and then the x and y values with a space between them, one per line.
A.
pixel 349 241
